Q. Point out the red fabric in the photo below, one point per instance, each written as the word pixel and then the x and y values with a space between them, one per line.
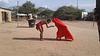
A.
pixel 39 25
pixel 62 29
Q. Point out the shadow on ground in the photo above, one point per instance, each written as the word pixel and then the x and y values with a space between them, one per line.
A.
pixel 23 27
pixel 38 39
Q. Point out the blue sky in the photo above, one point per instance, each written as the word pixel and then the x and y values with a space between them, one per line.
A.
pixel 89 5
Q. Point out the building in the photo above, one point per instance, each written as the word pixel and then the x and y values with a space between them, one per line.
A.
pixel 22 17
pixel 5 15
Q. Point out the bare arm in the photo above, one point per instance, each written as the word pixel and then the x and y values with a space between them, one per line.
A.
pixel 47 25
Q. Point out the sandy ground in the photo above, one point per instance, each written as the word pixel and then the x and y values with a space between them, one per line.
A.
pixel 24 41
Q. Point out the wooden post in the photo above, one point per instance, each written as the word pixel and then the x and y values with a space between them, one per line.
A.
pixel 0 17
pixel 97 14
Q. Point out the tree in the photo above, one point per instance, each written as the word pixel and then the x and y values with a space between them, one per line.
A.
pixel 27 8
pixel 45 12
pixel 68 12
pixel 40 9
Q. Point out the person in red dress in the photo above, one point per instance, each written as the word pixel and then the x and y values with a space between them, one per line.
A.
pixel 39 26
pixel 63 30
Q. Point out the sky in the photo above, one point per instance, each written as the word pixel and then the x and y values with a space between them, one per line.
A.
pixel 89 5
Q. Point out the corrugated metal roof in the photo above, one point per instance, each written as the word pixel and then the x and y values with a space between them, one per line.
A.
pixel 5 8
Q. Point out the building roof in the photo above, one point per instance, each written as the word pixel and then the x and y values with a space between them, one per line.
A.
pixel 5 8
pixel 23 14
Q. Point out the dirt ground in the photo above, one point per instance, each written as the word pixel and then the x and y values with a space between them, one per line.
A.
pixel 24 41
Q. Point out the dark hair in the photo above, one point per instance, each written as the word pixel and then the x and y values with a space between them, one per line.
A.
pixel 48 20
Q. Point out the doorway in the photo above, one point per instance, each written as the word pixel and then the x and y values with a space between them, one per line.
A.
pixel 4 16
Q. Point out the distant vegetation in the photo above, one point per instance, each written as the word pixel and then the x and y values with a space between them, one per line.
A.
pixel 68 13
pixel 64 12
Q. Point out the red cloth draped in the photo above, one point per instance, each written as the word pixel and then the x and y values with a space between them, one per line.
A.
pixel 62 29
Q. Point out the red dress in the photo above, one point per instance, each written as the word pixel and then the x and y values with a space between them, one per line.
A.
pixel 39 25
pixel 62 30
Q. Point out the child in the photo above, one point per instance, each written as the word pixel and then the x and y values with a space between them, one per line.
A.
pixel 39 26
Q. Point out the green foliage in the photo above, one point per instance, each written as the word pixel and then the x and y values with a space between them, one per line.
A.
pixel 27 8
pixel 45 12
pixel 64 12
pixel 40 9
pixel 68 13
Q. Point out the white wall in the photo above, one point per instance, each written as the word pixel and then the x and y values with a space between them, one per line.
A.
pixel 8 12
